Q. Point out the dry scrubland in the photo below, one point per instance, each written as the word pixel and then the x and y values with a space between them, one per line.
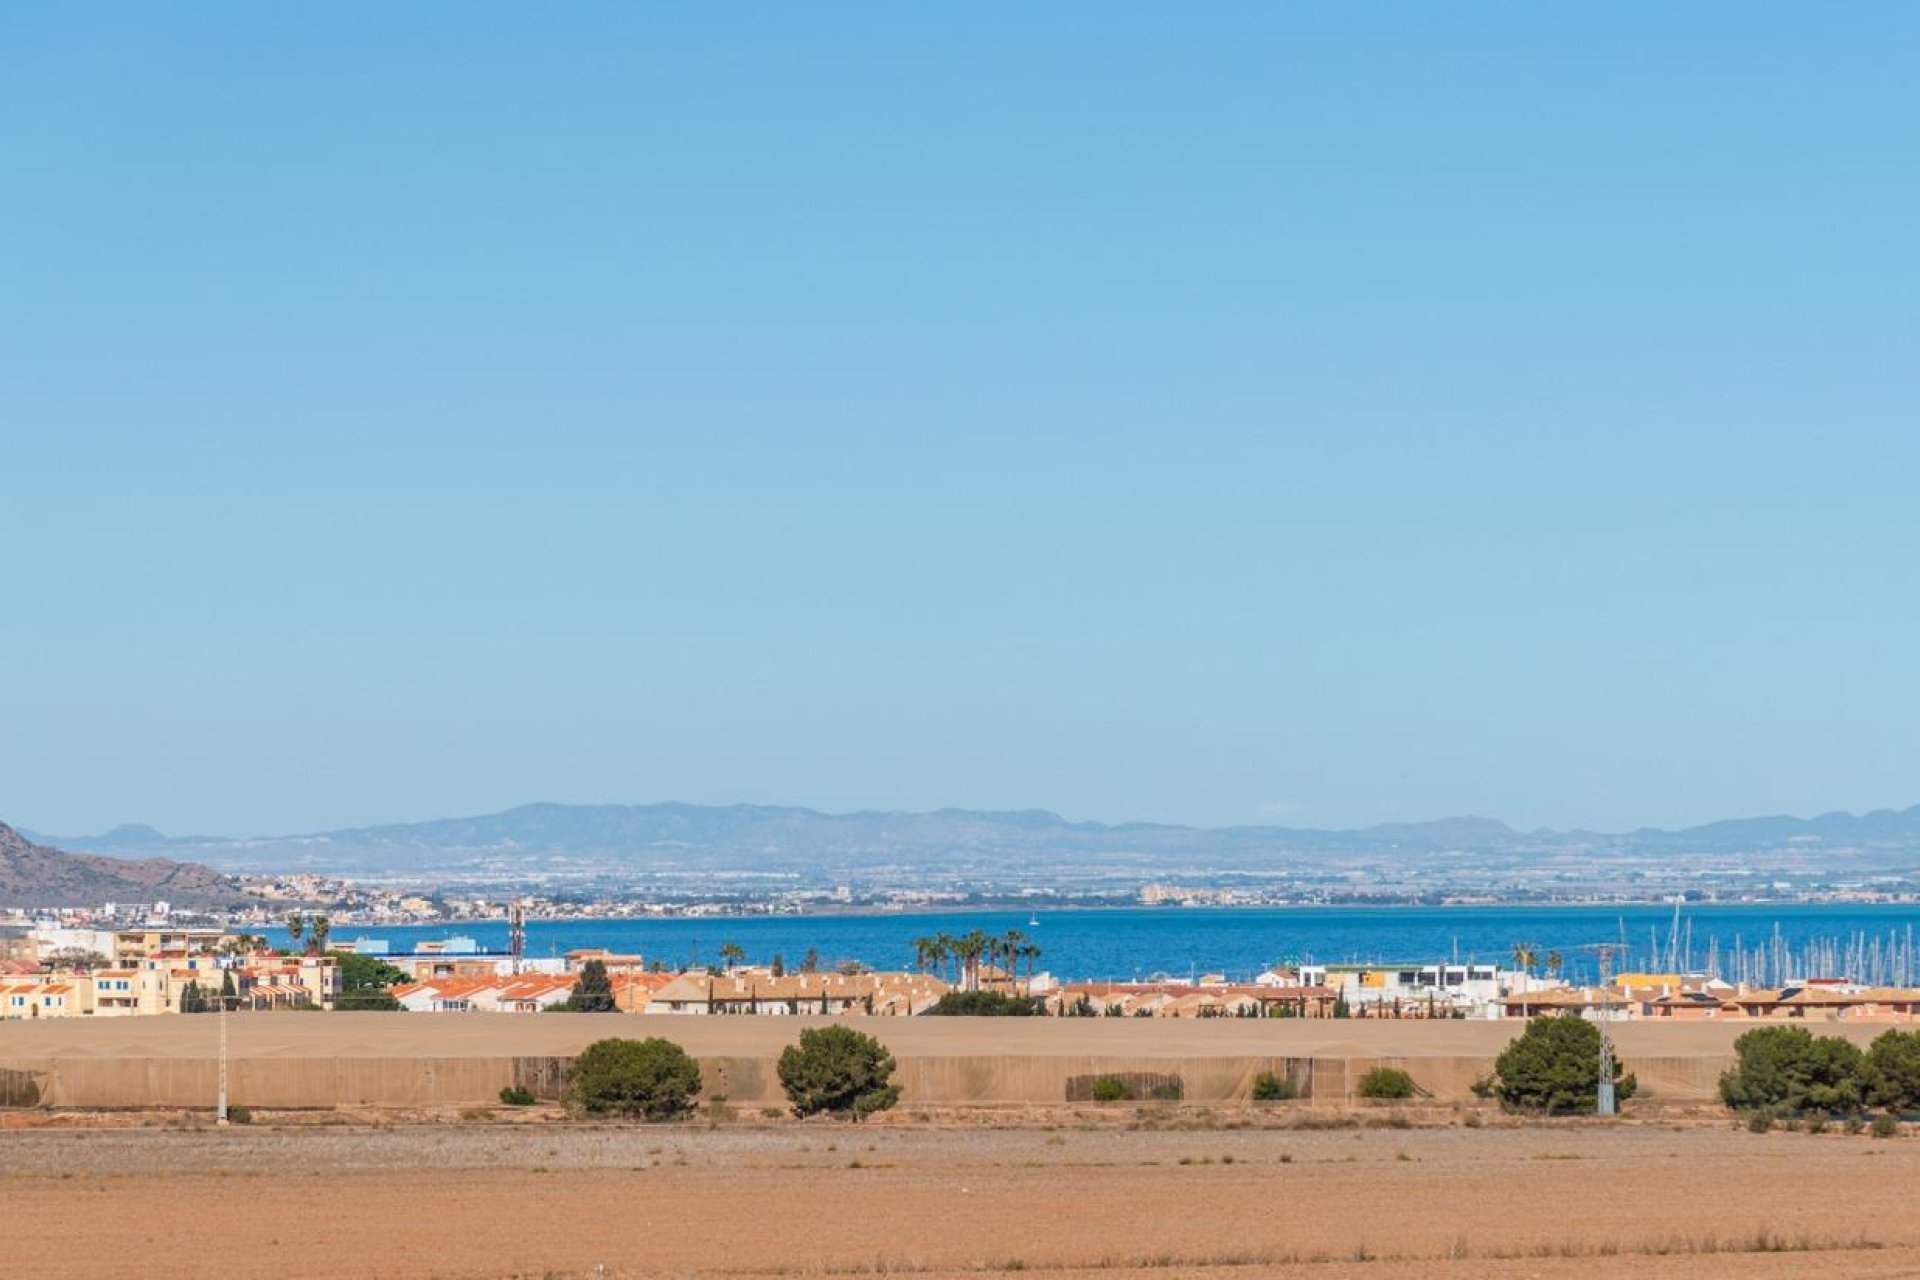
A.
pixel 942 1187
pixel 472 1201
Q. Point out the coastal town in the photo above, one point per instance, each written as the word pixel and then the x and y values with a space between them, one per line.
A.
pixel 54 970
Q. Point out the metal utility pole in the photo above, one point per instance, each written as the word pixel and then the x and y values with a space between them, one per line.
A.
pixel 516 934
pixel 220 1107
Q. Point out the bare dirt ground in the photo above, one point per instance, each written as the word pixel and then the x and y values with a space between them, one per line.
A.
pixel 480 1201
pixel 452 1035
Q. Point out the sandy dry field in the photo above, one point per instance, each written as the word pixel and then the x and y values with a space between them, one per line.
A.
pixel 473 1201
pixel 290 1060
pixel 379 1035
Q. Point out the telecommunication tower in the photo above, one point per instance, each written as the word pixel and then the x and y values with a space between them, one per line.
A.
pixel 1604 953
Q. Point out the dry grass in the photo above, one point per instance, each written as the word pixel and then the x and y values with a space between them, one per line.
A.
pixel 483 1202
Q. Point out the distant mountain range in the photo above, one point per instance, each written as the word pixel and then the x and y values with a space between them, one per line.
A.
pixel 695 838
pixel 33 875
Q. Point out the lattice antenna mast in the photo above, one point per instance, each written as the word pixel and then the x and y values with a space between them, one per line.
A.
pixel 516 934
pixel 1604 952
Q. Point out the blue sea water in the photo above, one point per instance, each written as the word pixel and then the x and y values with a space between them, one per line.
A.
pixel 1179 942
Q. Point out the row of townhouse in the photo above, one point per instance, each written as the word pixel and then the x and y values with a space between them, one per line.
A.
pixel 527 993
pixel 520 993
pixel 1360 990
pixel 1200 999
pixel 756 992
pixel 1693 999
pixel 162 983
pixel 761 992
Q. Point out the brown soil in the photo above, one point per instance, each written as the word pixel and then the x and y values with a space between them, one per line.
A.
pixel 410 1060
pixel 303 1036
pixel 479 1200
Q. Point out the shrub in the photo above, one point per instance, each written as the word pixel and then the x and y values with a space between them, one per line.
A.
pixel 1759 1120
pixel 1790 1070
pixel 651 1079
pixel 366 973
pixel 1890 1072
pixel 838 1070
pixel 1554 1067
pixel 1111 1089
pixel 1884 1127
pixel 1269 1087
pixel 516 1096
pixel 1386 1084
pixel 366 1000
pixel 239 1115
pixel 985 1004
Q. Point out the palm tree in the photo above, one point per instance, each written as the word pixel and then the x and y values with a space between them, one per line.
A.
pixel 296 928
pixel 1030 952
pixel 319 930
pixel 1554 961
pixel 1010 950
pixel 1525 956
pixel 929 952
pixel 972 948
pixel 946 948
pixel 731 954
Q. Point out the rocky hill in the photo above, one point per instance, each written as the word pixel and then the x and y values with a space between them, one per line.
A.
pixel 34 875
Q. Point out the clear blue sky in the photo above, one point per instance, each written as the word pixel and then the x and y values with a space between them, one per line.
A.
pixel 1253 412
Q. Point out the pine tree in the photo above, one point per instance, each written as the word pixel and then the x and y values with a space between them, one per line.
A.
pixel 593 991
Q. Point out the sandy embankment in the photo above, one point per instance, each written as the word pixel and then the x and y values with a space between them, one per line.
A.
pixel 321 1060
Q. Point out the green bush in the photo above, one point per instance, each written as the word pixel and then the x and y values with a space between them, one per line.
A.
pixel 838 1070
pixel 1554 1067
pixel 1111 1089
pixel 366 973
pixel 1386 1084
pixel 516 1096
pixel 1269 1087
pixel 239 1115
pixel 366 1000
pixel 1890 1072
pixel 651 1079
pixel 985 1004
pixel 1884 1127
pixel 1789 1070
pixel 1759 1120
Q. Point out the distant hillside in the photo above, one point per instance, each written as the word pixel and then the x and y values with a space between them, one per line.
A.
pixel 695 838
pixel 34 875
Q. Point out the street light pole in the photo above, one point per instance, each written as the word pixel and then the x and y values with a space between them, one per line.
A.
pixel 220 1109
